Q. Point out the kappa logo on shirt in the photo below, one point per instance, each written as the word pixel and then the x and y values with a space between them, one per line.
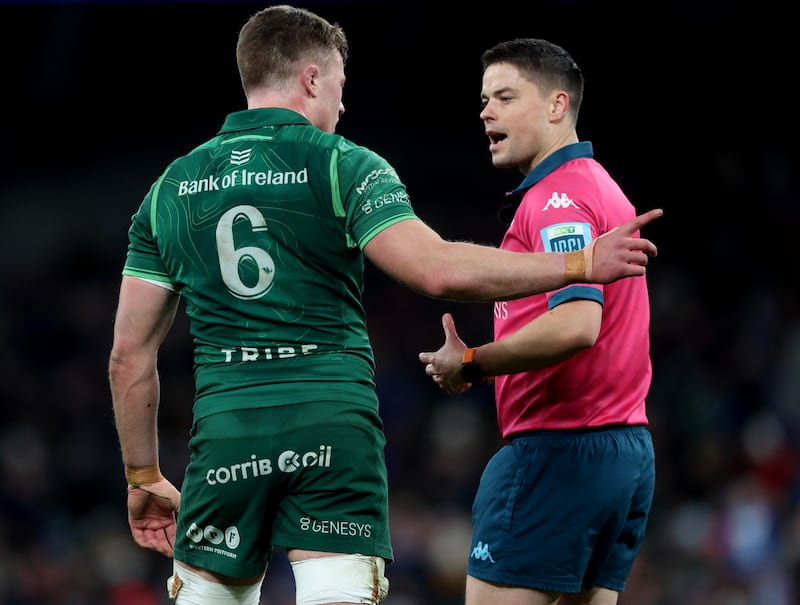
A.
pixel 559 201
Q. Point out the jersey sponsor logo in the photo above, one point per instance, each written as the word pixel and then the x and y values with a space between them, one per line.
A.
pixel 566 237
pixel 239 178
pixel 374 177
pixel 240 354
pixel 338 528
pixel 214 535
pixel 481 552
pixel 211 539
pixel 288 461
pixel 559 201
pixel 240 156
pixel 395 197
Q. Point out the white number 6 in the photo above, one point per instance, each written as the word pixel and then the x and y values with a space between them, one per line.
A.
pixel 231 257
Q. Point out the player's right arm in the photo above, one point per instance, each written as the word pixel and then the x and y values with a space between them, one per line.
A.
pixel 145 313
pixel 415 255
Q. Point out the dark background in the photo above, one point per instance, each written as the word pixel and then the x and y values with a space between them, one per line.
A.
pixel 690 105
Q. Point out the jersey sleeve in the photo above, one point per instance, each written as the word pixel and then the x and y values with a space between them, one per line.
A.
pixel 143 259
pixel 563 222
pixel 374 196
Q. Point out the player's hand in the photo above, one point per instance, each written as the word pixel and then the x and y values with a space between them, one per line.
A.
pixel 151 515
pixel 444 365
pixel 617 254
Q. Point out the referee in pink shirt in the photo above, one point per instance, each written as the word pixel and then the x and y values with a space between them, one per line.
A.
pixel 561 510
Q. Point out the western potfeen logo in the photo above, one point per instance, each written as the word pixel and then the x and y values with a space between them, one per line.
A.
pixel 214 535
pixel 214 540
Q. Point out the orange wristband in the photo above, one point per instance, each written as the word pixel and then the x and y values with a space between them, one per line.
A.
pixel 143 475
pixel 471 372
pixel 469 355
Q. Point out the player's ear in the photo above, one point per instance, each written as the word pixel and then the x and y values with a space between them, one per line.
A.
pixel 309 77
pixel 559 105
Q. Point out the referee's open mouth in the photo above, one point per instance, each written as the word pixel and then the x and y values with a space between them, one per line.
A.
pixel 495 138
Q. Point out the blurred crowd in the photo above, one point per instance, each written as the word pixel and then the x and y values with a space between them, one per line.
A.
pixel 723 408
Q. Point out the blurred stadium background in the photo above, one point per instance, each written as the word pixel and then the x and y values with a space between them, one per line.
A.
pixel 689 105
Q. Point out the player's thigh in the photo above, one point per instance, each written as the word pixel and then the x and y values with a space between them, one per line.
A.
pixel 594 596
pixel 480 592
pixel 330 579
pixel 231 488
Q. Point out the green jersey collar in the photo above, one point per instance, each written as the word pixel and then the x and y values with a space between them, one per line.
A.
pixel 250 119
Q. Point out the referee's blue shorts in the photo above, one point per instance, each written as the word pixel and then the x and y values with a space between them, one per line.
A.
pixel 564 510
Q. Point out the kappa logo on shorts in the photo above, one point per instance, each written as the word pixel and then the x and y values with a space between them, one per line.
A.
pixel 481 552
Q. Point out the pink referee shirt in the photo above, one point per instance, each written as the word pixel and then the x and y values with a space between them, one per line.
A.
pixel 570 200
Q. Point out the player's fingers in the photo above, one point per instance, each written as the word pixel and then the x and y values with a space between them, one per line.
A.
pixel 450 333
pixel 165 493
pixel 637 257
pixel 641 220
pixel 633 270
pixel 146 540
pixel 645 246
pixel 449 326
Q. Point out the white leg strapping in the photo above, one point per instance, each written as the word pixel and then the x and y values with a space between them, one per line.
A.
pixel 340 579
pixel 187 588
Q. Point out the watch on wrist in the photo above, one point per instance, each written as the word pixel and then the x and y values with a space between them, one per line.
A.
pixel 470 370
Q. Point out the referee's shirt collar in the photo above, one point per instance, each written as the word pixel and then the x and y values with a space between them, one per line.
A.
pixel 582 149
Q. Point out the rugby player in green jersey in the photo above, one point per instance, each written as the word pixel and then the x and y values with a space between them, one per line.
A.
pixel 263 230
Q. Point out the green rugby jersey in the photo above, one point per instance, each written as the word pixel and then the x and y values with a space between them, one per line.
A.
pixel 261 230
